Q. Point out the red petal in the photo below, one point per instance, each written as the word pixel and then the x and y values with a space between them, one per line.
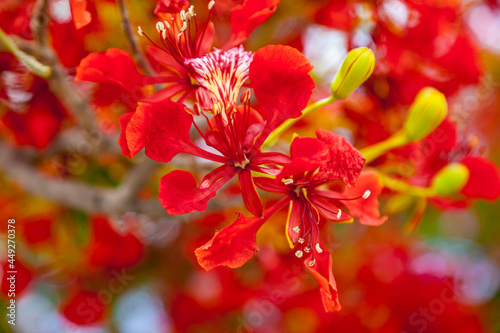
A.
pixel 294 219
pixel 122 141
pixel 179 193
pixel 297 167
pixel 271 185
pixel 329 210
pixel 322 272
pixel 136 130
pixel 163 128
pixel 206 43
pixel 366 210
pixel 270 158
pixel 171 6
pixel 279 75
pixel 484 179
pixel 166 93
pixel 235 244
pixel 344 163
pixel 309 148
pixel 117 67
pixel 248 16
pixel 81 17
pixel 249 194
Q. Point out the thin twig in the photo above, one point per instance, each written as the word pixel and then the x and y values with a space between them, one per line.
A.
pixel 39 21
pixel 132 38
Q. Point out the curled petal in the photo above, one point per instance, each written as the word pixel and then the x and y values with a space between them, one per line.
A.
pixel 366 210
pixel 235 244
pixel 122 141
pixel 179 193
pixel 248 16
pixel 322 272
pixel 249 194
pixel 344 163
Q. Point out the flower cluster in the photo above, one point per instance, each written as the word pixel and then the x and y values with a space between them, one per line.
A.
pixel 314 123
pixel 234 134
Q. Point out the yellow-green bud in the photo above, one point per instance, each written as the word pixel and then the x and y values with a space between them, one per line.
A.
pixel 426 113
pixel 450 179
pixel 356 69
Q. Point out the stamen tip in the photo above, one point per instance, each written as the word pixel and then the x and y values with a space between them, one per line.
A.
pixel 160 27
pixel 366 194
pixel 339 214
pixel 139 31
pixel 211 4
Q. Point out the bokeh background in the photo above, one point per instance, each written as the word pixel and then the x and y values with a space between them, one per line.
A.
pixel 131 268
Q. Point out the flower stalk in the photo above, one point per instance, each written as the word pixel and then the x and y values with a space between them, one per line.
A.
pixel 273 137
pixel 30 62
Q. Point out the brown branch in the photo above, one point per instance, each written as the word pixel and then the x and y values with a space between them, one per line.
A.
pixel 132 38
pixel 39 21
pixel 136 178
pixel 61 87
pixel 88 141
pixel 74 141
pixel 71 193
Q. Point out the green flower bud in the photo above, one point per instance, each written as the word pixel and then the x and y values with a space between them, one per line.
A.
pixel 450 179
pixel 356 69
pixel 426 113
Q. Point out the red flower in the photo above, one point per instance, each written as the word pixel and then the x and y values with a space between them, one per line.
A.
pixel 433 50
pixel 314 163
pixel 181 38
pixel 442 147
pixel 281 84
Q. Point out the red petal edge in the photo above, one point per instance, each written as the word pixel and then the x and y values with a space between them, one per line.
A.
pixel 235 244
